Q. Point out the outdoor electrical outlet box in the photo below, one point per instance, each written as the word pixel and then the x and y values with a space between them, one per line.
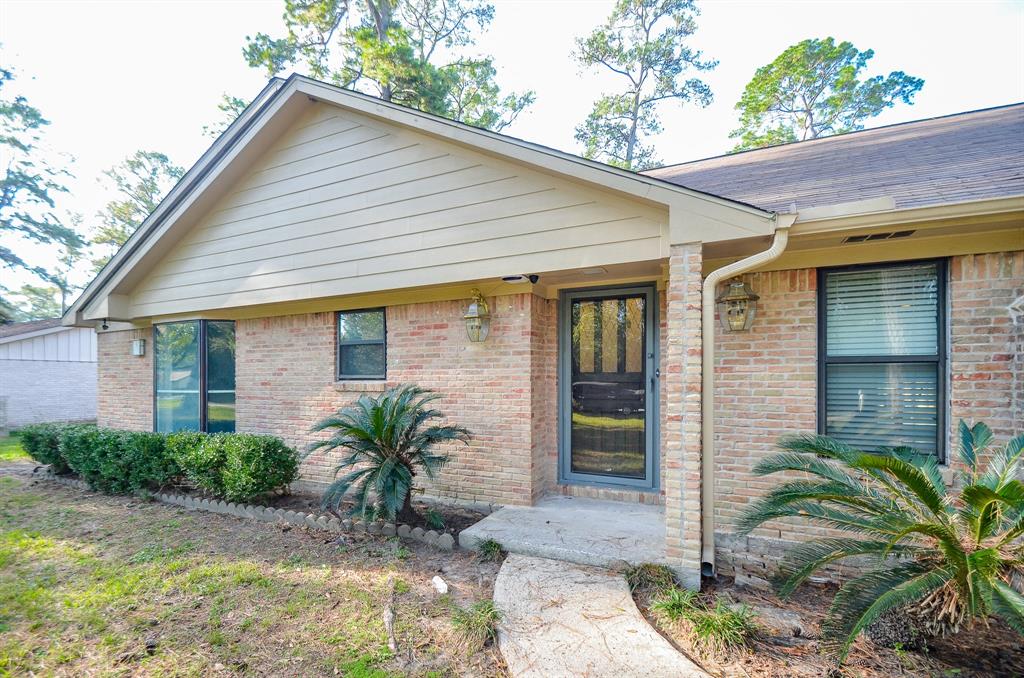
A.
pixel 138 347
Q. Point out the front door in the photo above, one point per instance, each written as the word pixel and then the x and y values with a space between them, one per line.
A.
pixel 607 386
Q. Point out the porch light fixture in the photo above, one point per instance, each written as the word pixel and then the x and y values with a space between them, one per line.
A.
pixel 737 306
pixel 478 318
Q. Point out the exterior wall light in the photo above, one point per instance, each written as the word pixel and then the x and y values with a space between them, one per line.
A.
pixel 478 318
pixel 737 306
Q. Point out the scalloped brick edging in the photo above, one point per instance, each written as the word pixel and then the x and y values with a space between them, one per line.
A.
pixel 325 523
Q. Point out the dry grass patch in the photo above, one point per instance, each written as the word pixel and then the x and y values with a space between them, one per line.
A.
pixel 116 586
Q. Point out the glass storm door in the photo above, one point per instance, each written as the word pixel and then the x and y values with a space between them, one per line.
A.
pixel 607 385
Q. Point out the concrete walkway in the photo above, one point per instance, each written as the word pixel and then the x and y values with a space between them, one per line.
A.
pixel 563 620
pixel 583 531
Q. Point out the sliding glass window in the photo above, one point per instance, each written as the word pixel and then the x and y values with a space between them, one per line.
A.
pixel 194 376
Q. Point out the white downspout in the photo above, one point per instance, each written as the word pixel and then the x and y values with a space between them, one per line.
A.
pixel 707 462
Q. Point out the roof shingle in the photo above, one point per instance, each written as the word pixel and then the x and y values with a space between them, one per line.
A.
pixel 967 156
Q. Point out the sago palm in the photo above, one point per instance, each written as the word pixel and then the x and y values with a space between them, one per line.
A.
pixel 941 557
pixel 386 440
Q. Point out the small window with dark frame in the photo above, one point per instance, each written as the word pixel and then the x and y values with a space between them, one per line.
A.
pixel 881 368
pixel 362 353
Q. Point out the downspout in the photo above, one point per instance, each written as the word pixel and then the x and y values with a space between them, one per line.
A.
pixel 707 462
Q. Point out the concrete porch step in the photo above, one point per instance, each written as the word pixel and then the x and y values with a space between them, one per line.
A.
pixel 576 530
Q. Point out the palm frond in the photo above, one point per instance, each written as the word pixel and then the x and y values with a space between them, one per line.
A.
pixel 863 600
pixel 803 560
pixel 1008 605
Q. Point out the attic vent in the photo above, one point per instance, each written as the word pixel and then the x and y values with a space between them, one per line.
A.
pixel 877 236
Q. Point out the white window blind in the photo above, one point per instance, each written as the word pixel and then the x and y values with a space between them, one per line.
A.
pixel 882 363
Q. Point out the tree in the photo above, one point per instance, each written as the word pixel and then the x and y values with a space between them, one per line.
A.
pixel 28 183
pixel 939 557
pixel 813 89
pixel 405 51
pixel 386 439
pixel 643 45
pixel 141 181
pixel 37 302
pixel 230 108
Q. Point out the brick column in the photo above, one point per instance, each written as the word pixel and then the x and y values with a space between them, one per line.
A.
pixel 682 386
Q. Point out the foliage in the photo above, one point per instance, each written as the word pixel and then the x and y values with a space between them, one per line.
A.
pixel 114 461
pixel 958 555
pixel 387 439
pixel 433 519
pixel 643 45
pixel 35 302
pixel 27 183
pixel 234 466
pixel 42 443
pixel 410 52
pixel 478 624
pixel 714 629
pixel 256 465
pixel 814 89
pixel 141 181
pixel 230 108
pixel 649 576
pixel 491 550
pixel 675 603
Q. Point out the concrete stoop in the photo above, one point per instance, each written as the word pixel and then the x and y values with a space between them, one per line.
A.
pixel 576 530
pixel 565 620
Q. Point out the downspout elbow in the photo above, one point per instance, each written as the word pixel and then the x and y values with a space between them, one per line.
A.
pixel 707 487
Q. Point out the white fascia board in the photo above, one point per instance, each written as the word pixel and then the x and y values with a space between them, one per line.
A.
pixel 698 216
pixel 191 184
pixel 826 220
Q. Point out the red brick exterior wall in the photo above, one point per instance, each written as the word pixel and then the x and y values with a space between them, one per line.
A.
pixel 124 397
pixel 681 383
pixel 285 382
pixel 765 381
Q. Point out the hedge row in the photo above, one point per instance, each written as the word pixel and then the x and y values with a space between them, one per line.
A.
pixel 231 466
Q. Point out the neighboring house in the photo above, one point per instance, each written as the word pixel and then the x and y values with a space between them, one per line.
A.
pixel 329 244
pixel 47 373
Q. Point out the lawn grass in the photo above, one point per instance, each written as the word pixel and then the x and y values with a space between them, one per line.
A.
pixel 11 450
pixel 93 585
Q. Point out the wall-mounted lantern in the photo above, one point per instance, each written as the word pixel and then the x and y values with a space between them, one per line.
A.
pixel 737 306
pixel 138 347
pixel 478 318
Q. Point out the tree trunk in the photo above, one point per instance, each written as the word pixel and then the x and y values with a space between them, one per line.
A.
pixel 407 514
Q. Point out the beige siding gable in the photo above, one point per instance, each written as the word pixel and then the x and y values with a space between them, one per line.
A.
pixel 344 204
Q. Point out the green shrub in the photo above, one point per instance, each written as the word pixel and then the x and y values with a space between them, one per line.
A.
pixel 115 461
pixel 477 625
pixel 942 557
pixel 713 630
pixel 41 442
pixel 255 465
pixel 200 457
pixel 235 466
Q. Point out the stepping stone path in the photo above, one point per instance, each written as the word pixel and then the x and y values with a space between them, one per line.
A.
pixel 562 620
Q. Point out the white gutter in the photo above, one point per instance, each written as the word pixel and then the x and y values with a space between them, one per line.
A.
pixel 707 459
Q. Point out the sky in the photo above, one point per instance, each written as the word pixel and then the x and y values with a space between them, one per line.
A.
pixel 116 77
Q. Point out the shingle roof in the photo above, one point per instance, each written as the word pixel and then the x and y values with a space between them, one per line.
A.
pixel 31 326
pixel 967 156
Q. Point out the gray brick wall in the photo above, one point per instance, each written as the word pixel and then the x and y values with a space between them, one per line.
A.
pixel 44 390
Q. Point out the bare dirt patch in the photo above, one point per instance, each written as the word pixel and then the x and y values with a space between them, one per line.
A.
pixel 788 642
pixel 91 584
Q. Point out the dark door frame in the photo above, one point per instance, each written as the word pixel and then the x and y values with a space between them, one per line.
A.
pixel 650 481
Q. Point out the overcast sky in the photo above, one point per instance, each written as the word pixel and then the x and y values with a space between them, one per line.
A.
pixel 116 77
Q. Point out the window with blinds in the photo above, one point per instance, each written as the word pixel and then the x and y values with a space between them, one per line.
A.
pixel 881 365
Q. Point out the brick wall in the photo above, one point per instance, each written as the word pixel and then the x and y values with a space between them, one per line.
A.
pixel 125 382
pixel 987 360
pixel 681 381
pixel 47 390
pixel 285 382
pixel 765 383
